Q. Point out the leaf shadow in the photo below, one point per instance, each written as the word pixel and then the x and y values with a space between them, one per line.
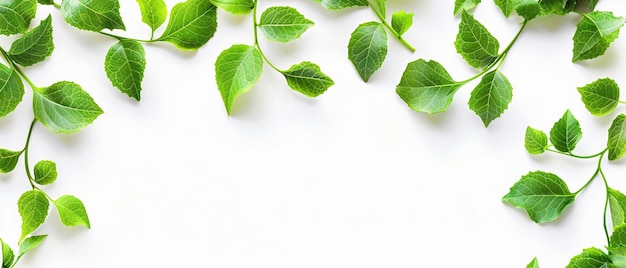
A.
pixel 604 62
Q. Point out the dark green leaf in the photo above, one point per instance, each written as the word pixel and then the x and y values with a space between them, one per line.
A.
pixel 401 21
pixel 594 34
pixel 92 15
pixel 45 172
pixel 308 79
pixel 283 24
pixel 536 141
pixel 34 46
pixel 491 97
pixel 528 9
pixel 30 243
pixel 339 4
pixel 617 202
pixel 192 24
pixel 533 264
pixel 33 207
pixel 474 42
pixel 237 70
pixel 124 65
pixel 590 258
pixel 46 2
pixel 460 5
pixel 368 48
pixel 7 255
pixel 153 13
pixel 566 133
pixel 600 97
pixel 557 7
pixel 72 211
pixel 235 6
pixel 11 90
pixel 8 160
pixel 16 15
pixel 617 138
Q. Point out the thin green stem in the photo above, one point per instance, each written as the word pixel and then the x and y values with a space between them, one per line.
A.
pixel 381 17
pixel 578 156
pixel 606 207
pixel 128 38
pixel 25 150
pixel 598 170
pixel 256 39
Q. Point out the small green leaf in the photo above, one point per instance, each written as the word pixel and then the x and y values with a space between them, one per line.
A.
pixel 590 258
pixel 153 13
pixel 401 21
pixel 46 2
pixel 33 207
pixel 600 97
pixel 72 211
pixel 340 4
pixel 536 141
pixel 64 107
pixel 124 65
pixel 16 15
pixel 367 48
pixel 283 24
pixel 528 9
pixel 460 5
pixel 427 87
pixel 617 138
pixel 594 34
pixel 92 15
pixel 617 243
pixel 45 172
pixel 192 24
pixel 491 97
pixel 533 264
pixel 556 7
pixel 30 243
pixel 7 255
pixel 381 5
pixel 8 160
pixel 474 42
pixel 566 133
pixel 543 195
pixel 235 6
pixel 617 202
pixel 34 46
pixel 237 70
pixel 11 90
pixel 307 78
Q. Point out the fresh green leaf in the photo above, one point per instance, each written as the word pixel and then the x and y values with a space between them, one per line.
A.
pixel 566 133
pixel 340 4
pixel 367 48
pixel 474 42
pixel 380 5
pixel 92 15
pixel 533 264
pixel 30 243
pixel 460 5
pixel 64 107
pixel 72 211
pixel 45 172
pixel 617 138
pixel 33 207
pixel 528 9
pixel 307 78
pixel 427 87
pixel 543 195
pixel 7 255
pixel 491 97
pixel 46 2
pixel 34 46
pixel 617 260
pixel 594 34
pixel 600 97
pixel 590 258
pixel 283 24
pixel 536 141
pixel 617 243
pixel 617 203
pixel 237 70
pixel 8 160
pixel 556 7
pixel 124 65
pixel 153 13
pixel 235 6
pixel 192 24
pixel 401 21
pixel 16 15
pixel 11 90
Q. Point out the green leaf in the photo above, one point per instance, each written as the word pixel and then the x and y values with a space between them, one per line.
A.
pixel 617 260
pixel 617 243
pixel 533 264
pixel 34 46
pixel 590 258
pixel 536 141
pixel 381 5
pixel 566 133
pixel 45 172
pixel 491 97
pixel 528 9
pixel 8 160
pixel 16 15
pixel 64 107
pixel 235 6
pixel 307 78
pixel 92 15
pixel 153 13
pixel 33 207
pixel 30 243
pixel 474 42
pixel 46 2
pixel 124 65
pixel 237 70
pixel 600 97
pixel 7 255
pixel 594 34
pixel 543 195
pixel 11 90
pixel 367 48
pixel 460 5
pixel 401 21
pixel 427 87
pixel 283 24
pixel 557 7
pixel 617 202
pixel 72 211
pixel 617 138
pixel 192 24
pixel 340 4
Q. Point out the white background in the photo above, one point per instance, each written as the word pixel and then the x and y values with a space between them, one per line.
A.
pixel 353 178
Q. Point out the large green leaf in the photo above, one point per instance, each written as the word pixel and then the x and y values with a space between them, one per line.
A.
pixel 235 6
pixel 590 258
pixel 72 211
pixel 339 4
pixel 237 70
pixel 153 13
pixel 460 5
pixel 33 207
pixel 34 46
pixel 283 24
pixel 367 48
pixel 594 34
pixel 15 15
pixel 93 15
pixel 617 138
pixel 491 97
pixel 617 203
pixel 566 133
pixel 192 24
pixel 307 78
pixel 124 65
pixel 8 160
pixel 535 141
pixel 11 90
pixel 600 97
pixel 474 42
pixel 45 172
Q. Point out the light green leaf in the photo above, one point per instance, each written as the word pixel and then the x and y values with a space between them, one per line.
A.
pixel 474 42
pixel 11 90
pixel 124 65
pixel 34 46
pixel 7 255
pixel 307 78
pixel 617 138
pixel 381 5
pixel 536 141
pixel 45 172
pixel 72 211
pixel 8 160
pixel 30 243
pixel 533 264
pixel 64 107
pixel 192 24
pixel 427 87
pixel 153 13
pixel 594 34
pixel 33 207
pixel 237 70
pixel 401 21
pixel 617 243
pixel 367 48
pixel 566 133
pixel 283 24
pixel 590 258
pixel 617 202
pixel 92 15
pixel 600 97
pixel 543 195
pixel 340 4
pixel 15 15
pixel 491 97
pixel 617 260
pixel 235 6
pixel 460 5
